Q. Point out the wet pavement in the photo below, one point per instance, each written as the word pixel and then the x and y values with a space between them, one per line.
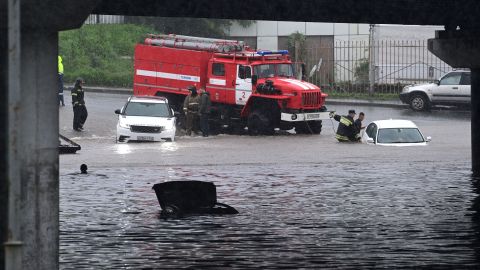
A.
pixel 305 201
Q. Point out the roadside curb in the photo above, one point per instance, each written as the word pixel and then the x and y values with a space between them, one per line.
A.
pixel 360 102
pixel 124 91
pixel 365 103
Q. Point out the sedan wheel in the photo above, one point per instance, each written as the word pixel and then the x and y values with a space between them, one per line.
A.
pixel 419 103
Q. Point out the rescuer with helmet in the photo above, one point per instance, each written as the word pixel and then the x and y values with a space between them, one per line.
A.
pixel 347 131
pixel 191 107
pixel 205 105
pixel 80 113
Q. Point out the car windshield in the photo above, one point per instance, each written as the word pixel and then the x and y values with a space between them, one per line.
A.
pixel 399 135
pixel 272 70
pixel 147 109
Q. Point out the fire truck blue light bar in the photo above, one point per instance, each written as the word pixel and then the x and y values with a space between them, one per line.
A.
pixel 282 52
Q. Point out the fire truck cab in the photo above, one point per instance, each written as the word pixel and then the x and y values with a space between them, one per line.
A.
pixel 254 89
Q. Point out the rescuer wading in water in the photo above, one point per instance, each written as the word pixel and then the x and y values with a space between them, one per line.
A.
pixel 80 113
pixel 191 106
pixel 347 131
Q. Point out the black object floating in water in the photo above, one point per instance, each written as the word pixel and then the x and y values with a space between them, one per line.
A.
pixel 189 197
pixel 67 146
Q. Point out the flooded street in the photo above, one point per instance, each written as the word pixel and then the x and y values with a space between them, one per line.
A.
pixel 305 201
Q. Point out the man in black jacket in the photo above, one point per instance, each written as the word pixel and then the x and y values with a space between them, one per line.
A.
pixel 80 113
pixel 358 122
pixel 346 131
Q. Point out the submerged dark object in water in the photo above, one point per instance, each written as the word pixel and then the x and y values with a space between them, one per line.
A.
pixel 189 197
pixel 67 146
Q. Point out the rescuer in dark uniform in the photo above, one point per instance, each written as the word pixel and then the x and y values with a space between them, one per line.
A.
pixel 191 106
pixel 205 105
pixel 80 113
pixel 346 131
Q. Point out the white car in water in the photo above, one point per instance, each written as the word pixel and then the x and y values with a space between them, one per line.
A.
pixel 145 119
pixel 394 133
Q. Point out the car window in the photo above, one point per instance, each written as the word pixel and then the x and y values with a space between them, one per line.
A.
pixel 147 109
pixel 271 70
pixel 466 79
pixel 218 69
pixel 451 79
pixel 265 71
pixel 399 135
pixel 244 72
pixel 285 70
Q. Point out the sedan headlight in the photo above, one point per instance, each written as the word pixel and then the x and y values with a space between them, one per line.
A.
pixel 170 125
pixel 405 89
pixel 123 124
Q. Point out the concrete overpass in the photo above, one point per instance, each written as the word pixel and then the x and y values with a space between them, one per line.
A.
pixel 29 187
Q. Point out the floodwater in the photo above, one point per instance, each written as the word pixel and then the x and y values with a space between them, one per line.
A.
pixel 304 201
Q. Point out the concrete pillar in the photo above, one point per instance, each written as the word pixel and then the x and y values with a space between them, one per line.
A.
pixel 33 221
pixel 38 160
pixel 3 134
pixel 475 121
pixel 29 186
pixel 461 49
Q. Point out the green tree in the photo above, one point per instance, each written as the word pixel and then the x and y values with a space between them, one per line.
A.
pixel 212 28
pixel 297 44
pixel 361 71
pixel 101 54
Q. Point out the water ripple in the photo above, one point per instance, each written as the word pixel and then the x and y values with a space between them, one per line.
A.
pixel 291 217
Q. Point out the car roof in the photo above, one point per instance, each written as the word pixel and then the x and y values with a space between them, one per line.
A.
pixel 148 99
pixel 458 71
pixel 394 123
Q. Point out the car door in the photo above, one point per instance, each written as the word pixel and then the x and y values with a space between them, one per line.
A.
pixel 243 85
pixel 465 87
pixel 217 82
pixel 448 89
pixel 370 132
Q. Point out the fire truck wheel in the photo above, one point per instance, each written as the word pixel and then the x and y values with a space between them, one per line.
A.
pixel 311 127
pixel 259 124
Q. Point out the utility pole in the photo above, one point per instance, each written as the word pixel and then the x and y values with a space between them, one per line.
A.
pixel 371 59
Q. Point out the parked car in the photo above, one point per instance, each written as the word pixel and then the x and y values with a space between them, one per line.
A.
pixel 452 89
pixel 394 133
pixel 146 119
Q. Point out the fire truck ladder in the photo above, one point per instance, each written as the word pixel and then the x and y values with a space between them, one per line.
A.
pixel 195 43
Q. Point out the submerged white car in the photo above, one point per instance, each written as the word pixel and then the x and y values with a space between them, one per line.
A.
pixel 146 119
pixel 394 133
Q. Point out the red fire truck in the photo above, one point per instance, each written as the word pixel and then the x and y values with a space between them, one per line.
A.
pixel 254 89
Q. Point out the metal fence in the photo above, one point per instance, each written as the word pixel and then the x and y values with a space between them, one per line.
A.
pixel 379 66
pixel 105 19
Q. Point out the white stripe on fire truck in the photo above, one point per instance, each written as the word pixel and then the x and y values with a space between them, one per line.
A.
pixel 222 88
pixel 173 76
pixel 218 82
pixel 301 84
pixel 156 86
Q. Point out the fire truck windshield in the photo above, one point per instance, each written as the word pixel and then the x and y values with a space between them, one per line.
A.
pixel 273 70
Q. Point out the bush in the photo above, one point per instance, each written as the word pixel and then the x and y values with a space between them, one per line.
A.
pixel 101 54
